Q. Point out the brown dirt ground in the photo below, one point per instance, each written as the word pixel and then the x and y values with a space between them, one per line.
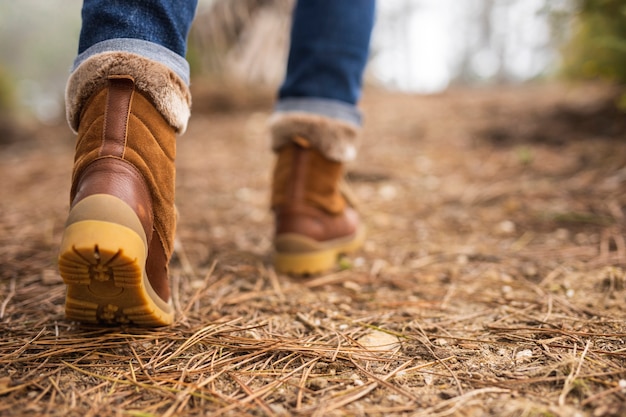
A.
pixel 493 281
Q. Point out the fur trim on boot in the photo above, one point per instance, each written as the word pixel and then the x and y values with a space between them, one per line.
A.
pixel 335 139
pixel 167 91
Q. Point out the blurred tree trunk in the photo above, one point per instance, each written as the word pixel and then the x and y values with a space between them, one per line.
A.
pixel 244 39
pixel 473 45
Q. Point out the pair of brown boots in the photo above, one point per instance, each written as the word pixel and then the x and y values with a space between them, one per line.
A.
pixel 119 236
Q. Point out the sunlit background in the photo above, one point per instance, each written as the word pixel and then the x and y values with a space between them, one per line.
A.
pixel 422 46
pixel 425 45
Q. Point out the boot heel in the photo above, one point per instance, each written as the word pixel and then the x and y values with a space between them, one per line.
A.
pixel 300 255
pixel 305 264
pixel 102 262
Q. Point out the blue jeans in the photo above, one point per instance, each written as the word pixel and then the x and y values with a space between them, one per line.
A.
pixel 328 51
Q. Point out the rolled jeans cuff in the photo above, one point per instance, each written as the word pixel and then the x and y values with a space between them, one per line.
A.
pixel 149 50
pixel 333 109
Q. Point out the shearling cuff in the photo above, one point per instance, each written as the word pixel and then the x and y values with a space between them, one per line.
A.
pixel 335 139
pixel 167 91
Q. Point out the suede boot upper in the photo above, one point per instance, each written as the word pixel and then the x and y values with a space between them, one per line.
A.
pixel 306 195
pixel 126 148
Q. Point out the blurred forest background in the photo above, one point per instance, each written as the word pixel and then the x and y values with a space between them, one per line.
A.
pixel 422 46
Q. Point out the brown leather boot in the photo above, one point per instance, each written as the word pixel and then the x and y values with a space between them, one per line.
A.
pixel 314 222
pixel 119 235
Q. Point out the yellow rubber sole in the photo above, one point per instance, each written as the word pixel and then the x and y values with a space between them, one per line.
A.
pixel 103 265
pixel 300 255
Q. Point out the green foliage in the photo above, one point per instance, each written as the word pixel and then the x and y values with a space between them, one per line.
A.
pixel 597 49
pixel 7 90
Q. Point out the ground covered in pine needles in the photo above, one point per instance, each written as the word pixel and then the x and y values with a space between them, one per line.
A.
pixel 493 281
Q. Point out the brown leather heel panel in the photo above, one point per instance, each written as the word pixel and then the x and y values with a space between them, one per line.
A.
pixel 314 223
pixel 116 177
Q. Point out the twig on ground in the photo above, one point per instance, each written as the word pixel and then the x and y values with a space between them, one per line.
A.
pixel 9 296
pixel 567 386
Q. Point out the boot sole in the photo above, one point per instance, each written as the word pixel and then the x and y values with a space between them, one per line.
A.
pixel 102 261
pixel 310 257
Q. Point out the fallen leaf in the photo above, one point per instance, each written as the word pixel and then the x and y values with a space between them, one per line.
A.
pixel 380 341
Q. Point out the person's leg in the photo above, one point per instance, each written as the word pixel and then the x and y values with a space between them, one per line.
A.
pixel 134 37
pixel 328 53
pixel 165 23
pixel 315 130
pixel 126 98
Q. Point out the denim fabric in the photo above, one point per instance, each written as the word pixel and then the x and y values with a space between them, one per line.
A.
pixel 164 22
pixel 333 109
pixel 329 49
pixel 149 50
